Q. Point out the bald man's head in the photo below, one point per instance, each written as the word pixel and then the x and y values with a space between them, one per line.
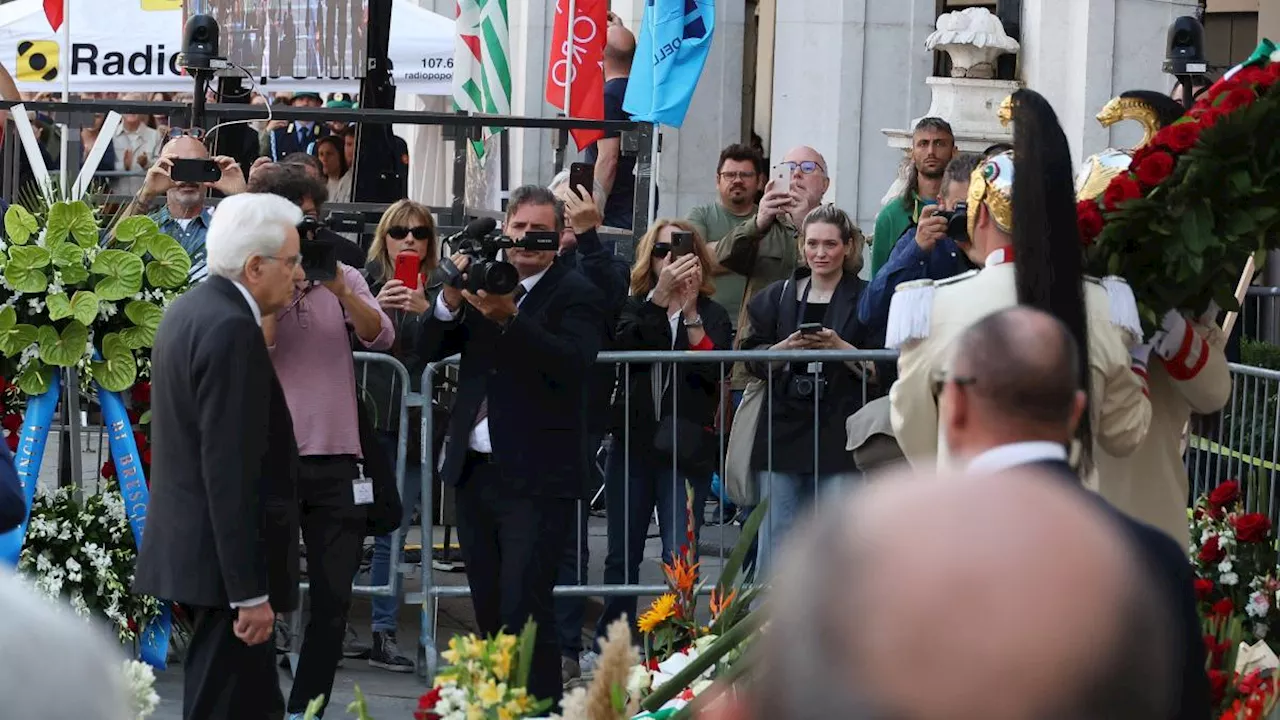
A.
pixel 1014 375
pixel 962 597
pixel 619 51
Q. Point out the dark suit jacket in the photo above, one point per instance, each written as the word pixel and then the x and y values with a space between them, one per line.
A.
pixel 1169 565
pixel 223 520
pixel 13 503
pixel 533 376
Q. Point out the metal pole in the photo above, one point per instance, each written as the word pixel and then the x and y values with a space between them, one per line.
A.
pixel 65 51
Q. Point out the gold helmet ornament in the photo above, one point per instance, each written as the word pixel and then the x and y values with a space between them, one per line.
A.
pixel 992 185
pixel 1005 113
pixel 1154 111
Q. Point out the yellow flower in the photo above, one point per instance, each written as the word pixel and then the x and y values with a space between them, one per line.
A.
pixel 507 642
pixel 490 693
pixel 512 709
pixel 661 610
pixel 475 713
pixel 502 664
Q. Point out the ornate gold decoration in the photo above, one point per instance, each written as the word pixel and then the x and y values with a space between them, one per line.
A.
pixel 992 184
pixel 1006 112
pixel 1121 108
pixel 1099 170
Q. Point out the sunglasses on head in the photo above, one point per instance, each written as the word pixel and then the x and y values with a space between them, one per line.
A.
pixel 661 250
pixel 400 232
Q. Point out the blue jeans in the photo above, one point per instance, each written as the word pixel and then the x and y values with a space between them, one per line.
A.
pixel 790 497
pixel 386 607
pixel 652 484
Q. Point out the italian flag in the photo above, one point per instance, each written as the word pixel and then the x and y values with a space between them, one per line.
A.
pixel 481 73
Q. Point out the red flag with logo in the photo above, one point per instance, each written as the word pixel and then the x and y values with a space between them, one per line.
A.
pixel 579 65
pixel 53 11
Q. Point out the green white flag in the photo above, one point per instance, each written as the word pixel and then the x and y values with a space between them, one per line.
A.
pixel 481 73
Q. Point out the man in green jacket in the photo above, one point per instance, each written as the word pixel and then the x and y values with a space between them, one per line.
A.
pixel 932 145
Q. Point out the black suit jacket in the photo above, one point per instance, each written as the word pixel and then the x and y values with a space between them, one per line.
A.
pixel 535 378
pixel 1170 566
pixel 223 520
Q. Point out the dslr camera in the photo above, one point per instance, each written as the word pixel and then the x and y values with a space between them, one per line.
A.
pixel 485 271
pixel 957 222
pixel 808 386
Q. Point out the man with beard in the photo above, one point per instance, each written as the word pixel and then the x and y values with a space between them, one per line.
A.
pixel 932 145
pixel 739 178
pixel 184 215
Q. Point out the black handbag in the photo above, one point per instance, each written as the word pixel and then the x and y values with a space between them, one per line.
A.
pixel 683 439
pixel 387 511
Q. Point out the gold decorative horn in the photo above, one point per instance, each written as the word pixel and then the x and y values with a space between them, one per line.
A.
pixel 1121 109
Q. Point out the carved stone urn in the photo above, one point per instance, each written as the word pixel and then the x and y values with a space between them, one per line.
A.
pixel 974 39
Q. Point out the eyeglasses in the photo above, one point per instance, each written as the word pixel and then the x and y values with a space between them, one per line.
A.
pixel 400 232
pixel 939 379
pixel 661 250
pixel 177 132
pixel 808 167
pixel 289 262
pixel 737 175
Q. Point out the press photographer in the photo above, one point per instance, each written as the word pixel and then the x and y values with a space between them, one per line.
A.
pixel 310 346
pixel 517 439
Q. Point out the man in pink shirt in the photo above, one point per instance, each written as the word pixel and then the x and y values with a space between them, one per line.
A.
pixel 310 346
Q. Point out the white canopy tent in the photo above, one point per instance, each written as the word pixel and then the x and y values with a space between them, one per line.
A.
pixel 124 46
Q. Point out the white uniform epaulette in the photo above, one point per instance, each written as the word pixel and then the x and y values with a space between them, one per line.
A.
pixel 958 278
pixel 910 311
pixel 1124 308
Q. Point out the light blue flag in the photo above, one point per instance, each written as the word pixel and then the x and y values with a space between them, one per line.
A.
pixel 675 39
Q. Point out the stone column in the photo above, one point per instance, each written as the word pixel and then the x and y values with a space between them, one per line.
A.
pixel 1080 54
pixel 842 72
pixel 1269 19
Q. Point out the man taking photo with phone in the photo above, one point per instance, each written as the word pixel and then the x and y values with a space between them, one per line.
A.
pixel 184 216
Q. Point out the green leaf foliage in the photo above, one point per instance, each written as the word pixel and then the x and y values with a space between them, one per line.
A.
pixel 170 264
pixel 66 254
pixel 118 370
pixel 146 319
pixel 74 275
pixel 36 379
pixel 65 348
pixel 25 269
pixel 72 219
pixel 82 306
pixel 14 337
pixel 121 273
pixel 20 225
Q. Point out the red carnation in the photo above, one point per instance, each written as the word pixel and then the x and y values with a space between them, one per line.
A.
pixel 427 703
pixel 1225 494
pixel 1089 218
pixel 1252 527
pixel 1211 552
pixel 1204 588
pixel 1180 137
pixel 1216 650
pixel 1217 685
pixel 1224 608
pixel 12 423
pixel 1155 168
pixel 1121 190
pixel 1238 98
pixel 1253 75
pixel 139 439
pixel 142 393
pixel 108 469
pixel 146 457
pixel 12 442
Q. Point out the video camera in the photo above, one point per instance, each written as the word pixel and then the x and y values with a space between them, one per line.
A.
pixel 322 248
pixel 481 242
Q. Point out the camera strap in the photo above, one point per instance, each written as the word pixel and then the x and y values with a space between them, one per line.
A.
pixel 803 306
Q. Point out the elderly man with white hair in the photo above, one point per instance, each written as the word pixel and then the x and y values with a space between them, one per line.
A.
pixel 222 532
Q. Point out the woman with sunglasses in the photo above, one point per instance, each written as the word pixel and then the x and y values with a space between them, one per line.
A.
pixel 661 420
pixel 800 439
pixel 406 229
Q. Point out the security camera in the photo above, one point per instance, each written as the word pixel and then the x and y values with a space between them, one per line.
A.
pixel 200 44
pixel 1186 48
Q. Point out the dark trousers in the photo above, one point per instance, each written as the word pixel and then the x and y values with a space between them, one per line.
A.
pixel 571 611
pixel 512 545
pixel 224 678
pixel 333 530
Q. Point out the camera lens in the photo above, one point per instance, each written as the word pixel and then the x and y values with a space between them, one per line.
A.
pixel 497 278
pixel 1182 38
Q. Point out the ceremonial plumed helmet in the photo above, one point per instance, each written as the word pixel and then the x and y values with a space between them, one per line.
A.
pixel 992 185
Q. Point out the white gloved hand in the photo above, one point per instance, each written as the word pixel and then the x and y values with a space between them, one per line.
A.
pixel 1141 354
pixel 1168 339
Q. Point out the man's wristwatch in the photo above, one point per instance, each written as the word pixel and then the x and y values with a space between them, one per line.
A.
pixel 695 322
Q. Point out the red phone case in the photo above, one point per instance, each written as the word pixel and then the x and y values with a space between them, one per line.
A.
pixel 407 265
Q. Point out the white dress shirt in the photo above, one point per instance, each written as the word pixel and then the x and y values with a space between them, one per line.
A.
pixel 480 440
pixel 257 316
pixel 1003 457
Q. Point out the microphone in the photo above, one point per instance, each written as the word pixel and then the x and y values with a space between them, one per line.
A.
pixel 477 228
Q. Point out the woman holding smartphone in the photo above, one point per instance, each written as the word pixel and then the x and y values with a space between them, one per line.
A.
pixel 663 412
pixel 800 440
pixel 404 252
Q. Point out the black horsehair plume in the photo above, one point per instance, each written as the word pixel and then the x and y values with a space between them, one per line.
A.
pixel 1048 260
pixel 1168 110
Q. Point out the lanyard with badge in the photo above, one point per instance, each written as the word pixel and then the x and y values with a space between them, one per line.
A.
pixel 362 487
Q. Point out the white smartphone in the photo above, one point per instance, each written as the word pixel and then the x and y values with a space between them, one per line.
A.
pixel 782 178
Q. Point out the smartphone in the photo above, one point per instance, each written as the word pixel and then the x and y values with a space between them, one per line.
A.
pixel 584 175
pixel 407 266
pixel 193 170
pixel 681 243
pixel 782 178
pixel 810 328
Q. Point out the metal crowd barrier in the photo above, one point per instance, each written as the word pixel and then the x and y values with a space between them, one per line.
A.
pixel 1241 442
pixel 363 362
pixel 623 361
